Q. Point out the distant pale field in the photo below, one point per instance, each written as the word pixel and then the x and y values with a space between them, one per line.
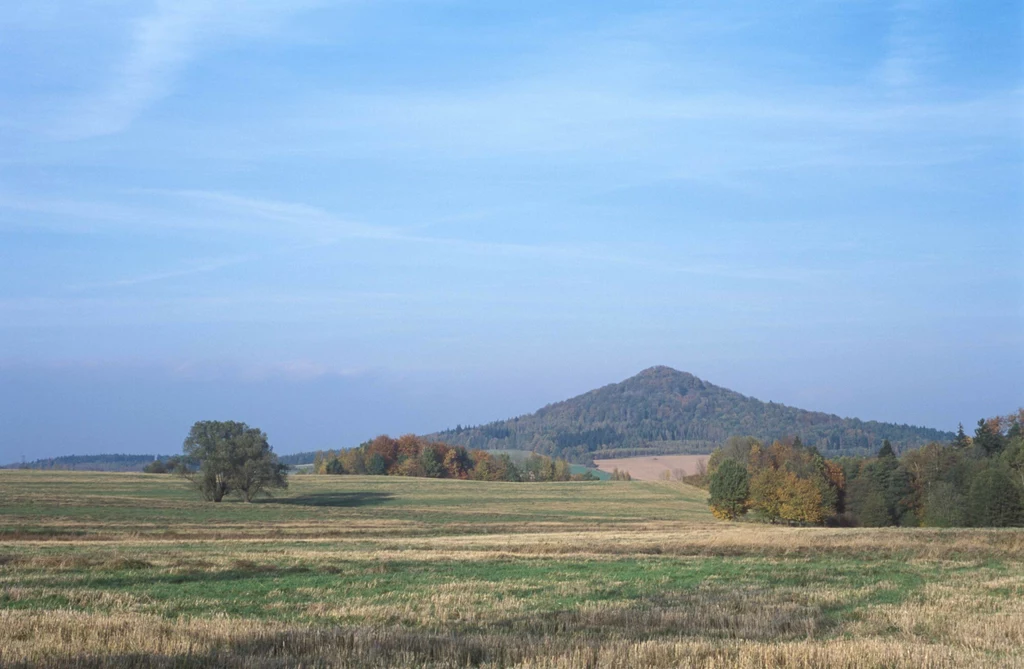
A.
pixel 131 570
pixel 651 468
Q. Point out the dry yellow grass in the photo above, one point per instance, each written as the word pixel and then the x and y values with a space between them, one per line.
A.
pixel 654 467
pixel 72 639
pixel 129 570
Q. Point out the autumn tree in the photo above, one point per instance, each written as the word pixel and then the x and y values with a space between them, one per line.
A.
pixel 734 448
pixel 353 461
pixel 386 450
pixel 766 493
pixel 943 506
pixel 454 465
pixel 800 501
pixel 620 475
pixel 793 483
pixel 482 469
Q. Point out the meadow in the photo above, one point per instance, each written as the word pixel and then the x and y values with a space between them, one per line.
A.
pixel 124 570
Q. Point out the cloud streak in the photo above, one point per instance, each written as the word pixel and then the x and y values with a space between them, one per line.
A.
pixel 910 50
pixel 304 227
pixel 162 44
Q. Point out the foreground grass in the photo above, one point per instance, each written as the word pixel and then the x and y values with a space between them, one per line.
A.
pixel 131 570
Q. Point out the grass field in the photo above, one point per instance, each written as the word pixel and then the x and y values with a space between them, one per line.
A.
pixel 131 570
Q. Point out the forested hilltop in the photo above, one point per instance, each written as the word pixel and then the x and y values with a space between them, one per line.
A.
pixel 661 410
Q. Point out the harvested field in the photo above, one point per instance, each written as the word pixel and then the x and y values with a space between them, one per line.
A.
pixel 131 570
pixel 653 468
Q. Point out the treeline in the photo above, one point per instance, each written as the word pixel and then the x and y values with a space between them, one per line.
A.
pixel 656 448
pixel 293 459
pixel 415 456
pixel 104 462
pixel 971 482
pixel 172 465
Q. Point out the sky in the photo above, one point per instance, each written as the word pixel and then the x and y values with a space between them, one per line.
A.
pixel 333 220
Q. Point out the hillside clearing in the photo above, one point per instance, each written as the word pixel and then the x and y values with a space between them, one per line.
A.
pixel 653 468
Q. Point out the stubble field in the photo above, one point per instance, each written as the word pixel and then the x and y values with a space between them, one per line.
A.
pixel 127 570
pixel 654 467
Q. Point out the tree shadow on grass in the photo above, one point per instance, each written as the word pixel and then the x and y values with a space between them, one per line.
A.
pixel 343 499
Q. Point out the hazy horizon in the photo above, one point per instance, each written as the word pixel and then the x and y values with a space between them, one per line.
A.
pixel 325 428
pixel 333 221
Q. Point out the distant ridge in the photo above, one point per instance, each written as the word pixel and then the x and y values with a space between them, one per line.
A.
pixel 104 462
pixel 662 410
pixel 122 462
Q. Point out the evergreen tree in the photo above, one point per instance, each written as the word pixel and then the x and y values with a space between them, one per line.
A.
pixel 865 499
pixel 892 481
pixel 994 501
pixel 1015 431
pixel 962 440
pixel 433 465
pixel 376 465
pixel 1013 459
pixel 729 487
pixel 989 441
pixel 899 497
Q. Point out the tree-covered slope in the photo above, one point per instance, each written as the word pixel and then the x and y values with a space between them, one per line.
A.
pixel 662 410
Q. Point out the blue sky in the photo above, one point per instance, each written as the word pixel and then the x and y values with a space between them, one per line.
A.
pixel 333 220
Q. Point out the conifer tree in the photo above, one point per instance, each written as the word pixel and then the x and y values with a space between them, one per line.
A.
pixel 729 487
pixel 994 501
pixel 962 440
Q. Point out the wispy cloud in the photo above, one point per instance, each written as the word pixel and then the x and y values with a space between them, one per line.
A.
pixel 190 270
pixel 276 229
pixel 206 212
pixel 69 213
pixel 300 220
pixel 162 44
pixel 624 109
pixel 911 49
pixel 307 222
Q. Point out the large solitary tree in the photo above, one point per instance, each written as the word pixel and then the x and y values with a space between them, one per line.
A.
pixel 226 457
